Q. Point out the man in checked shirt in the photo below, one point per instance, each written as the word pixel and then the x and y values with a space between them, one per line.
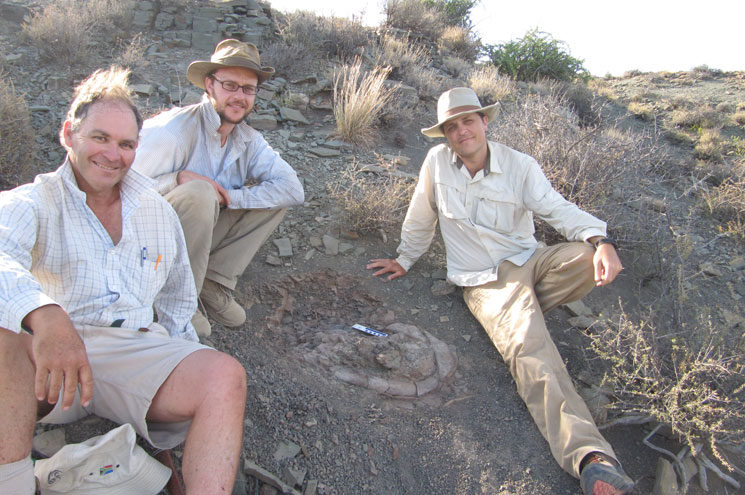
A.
pixel 86 253
pixel 484 195
pixel 201 157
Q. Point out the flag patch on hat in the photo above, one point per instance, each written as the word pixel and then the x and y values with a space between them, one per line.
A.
pixel 102 471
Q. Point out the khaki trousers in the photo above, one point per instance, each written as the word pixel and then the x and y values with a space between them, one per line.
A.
pixel 511 311
pixel 220 242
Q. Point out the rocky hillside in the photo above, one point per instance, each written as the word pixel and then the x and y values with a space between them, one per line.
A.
pixel 332 411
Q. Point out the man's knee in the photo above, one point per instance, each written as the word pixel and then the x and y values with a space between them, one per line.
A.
pixel 228 376
pixel 195 201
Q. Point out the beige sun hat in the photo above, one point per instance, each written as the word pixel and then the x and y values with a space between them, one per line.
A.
pixel 110 464
pixel 229 53
pixel 457 102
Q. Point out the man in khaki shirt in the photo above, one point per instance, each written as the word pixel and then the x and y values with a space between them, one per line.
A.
pixel 484 195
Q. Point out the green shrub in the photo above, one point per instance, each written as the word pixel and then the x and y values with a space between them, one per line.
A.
pixel 16 137
pixel 537 55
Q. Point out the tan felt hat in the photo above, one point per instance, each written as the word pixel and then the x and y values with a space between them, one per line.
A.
pixel 229 53
pixel 457 102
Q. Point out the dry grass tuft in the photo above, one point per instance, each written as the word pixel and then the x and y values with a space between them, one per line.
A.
pixel 336 36
pixel 489 85
pixel 739 117
pixel 461 42
pixel 641 111
pixel 699 118
pixel 710 146
pixel 63 30
pixel 414 16
pixel 16 137
pixel 400 54
pixel 359 99
pixel 456 66
pixel 371 201
pixel 133 55
pixel 726 204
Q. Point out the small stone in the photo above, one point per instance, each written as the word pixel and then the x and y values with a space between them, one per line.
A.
pixel 311 487
pixel 331 244
pixel 263 122
pixel 582 322
pixel 708 268
pixel 578 308
pixel 666 482
pixel 273 260
pixel 444 319
pixel 292 115
pixel 467 338
pixel 315 241
pixel 439 275
pixel 293 477
pixel 49 442
pixel 284 245
pixel 442 288
pixel 309 254
pixel 345 246
pixel 286 450
pixel 324 152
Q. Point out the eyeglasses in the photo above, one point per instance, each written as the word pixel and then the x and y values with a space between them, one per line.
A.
pixel 233 87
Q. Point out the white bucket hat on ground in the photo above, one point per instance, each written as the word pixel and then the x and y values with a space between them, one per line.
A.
pixel 110 464
pixel 457 102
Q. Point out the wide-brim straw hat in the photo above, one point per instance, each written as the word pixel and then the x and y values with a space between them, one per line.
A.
pixel 229 53
pixel 456 102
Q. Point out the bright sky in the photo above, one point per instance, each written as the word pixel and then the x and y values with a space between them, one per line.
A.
pixel 610 36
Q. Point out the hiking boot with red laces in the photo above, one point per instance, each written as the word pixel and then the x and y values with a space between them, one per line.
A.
pixel 219 302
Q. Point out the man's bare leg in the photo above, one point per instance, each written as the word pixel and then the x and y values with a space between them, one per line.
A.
pixel 18 404
pixel 17 407
pixel 209 388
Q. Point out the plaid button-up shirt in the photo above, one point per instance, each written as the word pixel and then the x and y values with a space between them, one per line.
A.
pixel 54 250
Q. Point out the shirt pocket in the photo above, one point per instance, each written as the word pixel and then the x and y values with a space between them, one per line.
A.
pixel 450 201
pixel 497 210
pixel 150 280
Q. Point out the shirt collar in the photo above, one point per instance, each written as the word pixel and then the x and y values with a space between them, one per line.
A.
pixel 132 185
pixel 490 162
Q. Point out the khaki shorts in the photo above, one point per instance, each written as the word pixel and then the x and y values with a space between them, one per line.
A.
pixel 129 366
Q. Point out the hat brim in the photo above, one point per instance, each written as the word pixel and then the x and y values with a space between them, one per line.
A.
pixel 197 71
pixel 491 112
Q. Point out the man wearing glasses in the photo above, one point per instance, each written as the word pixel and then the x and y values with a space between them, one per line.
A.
pixel 202 156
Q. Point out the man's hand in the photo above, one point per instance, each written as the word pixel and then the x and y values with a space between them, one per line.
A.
pixel 386 266
pixel 59 356
pixel 607 264
pixel 187 176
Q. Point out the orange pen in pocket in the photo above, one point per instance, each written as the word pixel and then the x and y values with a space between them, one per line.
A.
pixel 157 261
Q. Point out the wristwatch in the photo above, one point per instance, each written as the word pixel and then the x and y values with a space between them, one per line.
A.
pixel 607 240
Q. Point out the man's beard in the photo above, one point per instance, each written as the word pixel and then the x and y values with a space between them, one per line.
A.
pixel 225 118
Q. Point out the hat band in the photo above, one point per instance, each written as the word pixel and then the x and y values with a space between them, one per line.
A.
pixel 465 108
